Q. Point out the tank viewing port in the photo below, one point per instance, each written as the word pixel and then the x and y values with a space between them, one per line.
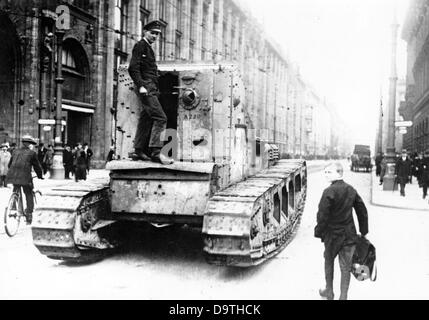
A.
pixel 190 99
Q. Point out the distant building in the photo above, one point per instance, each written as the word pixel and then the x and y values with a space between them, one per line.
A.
pixel 416 106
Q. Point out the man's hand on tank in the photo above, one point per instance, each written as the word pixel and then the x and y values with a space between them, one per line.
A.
pixel 143 90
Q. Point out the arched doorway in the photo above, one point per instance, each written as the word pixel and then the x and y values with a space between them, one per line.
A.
pixel 10 70
pixel 76 93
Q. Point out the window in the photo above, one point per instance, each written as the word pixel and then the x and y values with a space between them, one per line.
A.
pixel 75 72
pixel 224 37
pixel 144 14
pixel 191 49
pixel 192 22
pixel 178 45
pixel 215 36
pixel 179 13
pixel 68 60
pixel 162 43
pixel 232 46
pixel 204 31
pixel 162 9
pixel 120 24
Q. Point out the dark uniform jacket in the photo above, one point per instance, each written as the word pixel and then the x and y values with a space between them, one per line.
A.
pixel 41 154
pixel 143 69
pixel 67 158
pixel 335 225
pixel 21 162
pixel 403 170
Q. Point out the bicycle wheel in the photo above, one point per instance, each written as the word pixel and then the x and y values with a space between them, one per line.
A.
pixel 12 215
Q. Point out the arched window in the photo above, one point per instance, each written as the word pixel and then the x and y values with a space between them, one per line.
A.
pixel 10 83
pixel 75 72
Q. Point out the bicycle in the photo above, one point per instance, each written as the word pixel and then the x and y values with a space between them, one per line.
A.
pixel 14 211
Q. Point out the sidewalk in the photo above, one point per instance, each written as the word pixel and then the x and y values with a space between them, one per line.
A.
pixel 412 201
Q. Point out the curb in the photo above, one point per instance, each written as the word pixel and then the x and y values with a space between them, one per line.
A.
pixel 391 207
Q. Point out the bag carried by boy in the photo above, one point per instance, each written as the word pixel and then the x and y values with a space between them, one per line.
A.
pixel 364 260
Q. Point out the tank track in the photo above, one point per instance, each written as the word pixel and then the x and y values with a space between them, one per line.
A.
pixel 64 223
pixel 240 226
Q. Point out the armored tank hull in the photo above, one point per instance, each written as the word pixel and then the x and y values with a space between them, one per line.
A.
pixel 242 225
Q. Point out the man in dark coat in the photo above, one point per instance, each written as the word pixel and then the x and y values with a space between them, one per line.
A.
pixel 88 155
pixel 416 166
pixel 153 121
pixel 403 171
pixel 336 228
pixel 67 162
pixel 41 151
pixel 19 174
pixel 424 173
pixel 378 159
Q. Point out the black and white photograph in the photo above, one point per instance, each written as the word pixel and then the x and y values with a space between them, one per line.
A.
pixel 214 150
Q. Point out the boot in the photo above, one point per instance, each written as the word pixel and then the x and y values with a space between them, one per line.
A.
pixel 326 293
pixel 157 156
pixel 139 155
pixel 29 217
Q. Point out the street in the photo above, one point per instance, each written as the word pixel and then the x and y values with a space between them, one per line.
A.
pixel 168 263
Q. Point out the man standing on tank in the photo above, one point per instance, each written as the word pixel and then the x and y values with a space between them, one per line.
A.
pixel 153 121
pixel 336 228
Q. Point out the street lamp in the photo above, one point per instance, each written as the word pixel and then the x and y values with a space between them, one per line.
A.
pixel 62 24
pixel 389 178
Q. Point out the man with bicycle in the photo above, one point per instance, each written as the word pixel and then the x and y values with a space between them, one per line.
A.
pixel 19 174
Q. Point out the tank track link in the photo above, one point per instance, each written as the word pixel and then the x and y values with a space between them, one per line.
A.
pixel 65 222
pixel 247 224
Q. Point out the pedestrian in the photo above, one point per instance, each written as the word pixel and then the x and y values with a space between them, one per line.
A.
pixel 4 162
pixel 424 173
pixel 111 154
pixel 417 168
pixel 383 166
pixel 67 162
pixel 80 173
pixel 336 228
pixel 378 159
pixel 21 162
pixel 403 171
pixel 76 152
pixel 48 159
pixel 41 151
pixel 153 121
pixel 88 155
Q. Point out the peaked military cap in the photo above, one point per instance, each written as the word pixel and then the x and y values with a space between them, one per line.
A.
pixel 29 139
pixel 153 26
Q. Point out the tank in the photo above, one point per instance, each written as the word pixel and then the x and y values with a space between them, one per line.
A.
pixel 227 179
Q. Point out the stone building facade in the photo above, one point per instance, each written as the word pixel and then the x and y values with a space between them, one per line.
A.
pixel 102 36
pixel 416 106
pixel 28 71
